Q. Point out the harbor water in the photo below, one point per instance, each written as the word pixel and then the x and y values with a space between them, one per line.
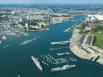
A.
pixel 15 59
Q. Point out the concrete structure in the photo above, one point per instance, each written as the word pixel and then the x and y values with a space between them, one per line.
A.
pixel 85 50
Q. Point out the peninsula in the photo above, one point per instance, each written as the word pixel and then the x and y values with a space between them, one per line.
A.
pixel 87 39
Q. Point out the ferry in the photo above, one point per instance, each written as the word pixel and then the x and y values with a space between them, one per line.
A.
pixel 37 63
pixel 28 41
pixel 64 68
pixel 60 42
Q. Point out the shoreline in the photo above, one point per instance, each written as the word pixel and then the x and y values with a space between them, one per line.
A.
pixel 44 28
pixel 97 57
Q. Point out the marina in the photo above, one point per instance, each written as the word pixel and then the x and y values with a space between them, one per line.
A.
pixel 57 59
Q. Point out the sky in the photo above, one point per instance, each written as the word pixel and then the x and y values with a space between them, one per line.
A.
pixel 51 1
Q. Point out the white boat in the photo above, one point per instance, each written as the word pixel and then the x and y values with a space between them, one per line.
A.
pixel 60 42
pixel 4 37
pixel 65 53
pixel 65 67
pixel 37 63
pixel 47 29
pixel 28 41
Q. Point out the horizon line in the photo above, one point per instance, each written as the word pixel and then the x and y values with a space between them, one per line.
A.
pixel 51 4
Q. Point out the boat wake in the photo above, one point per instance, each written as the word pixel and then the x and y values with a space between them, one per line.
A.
pixel 28 41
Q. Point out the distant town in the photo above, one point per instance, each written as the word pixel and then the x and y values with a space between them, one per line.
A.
pixel 13 21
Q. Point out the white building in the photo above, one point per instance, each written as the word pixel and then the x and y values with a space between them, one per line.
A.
pixel 94 17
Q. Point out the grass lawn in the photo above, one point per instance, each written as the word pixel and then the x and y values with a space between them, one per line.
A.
pixel 99 39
